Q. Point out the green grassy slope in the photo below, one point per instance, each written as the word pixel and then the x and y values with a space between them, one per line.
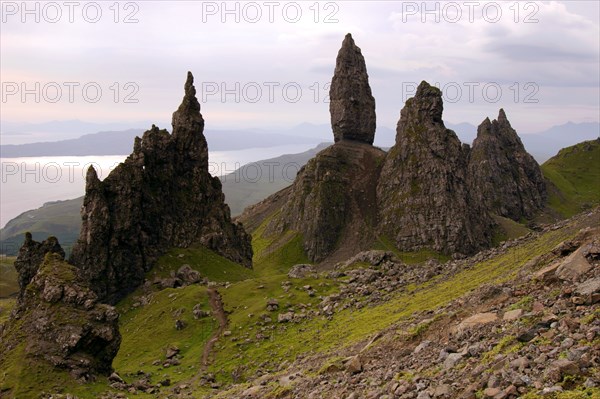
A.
pixel 148 315
pixel 60 219
pixel 254 182
pixel 8 277
pixel 246 301
pixel 575 176
pixel 148 330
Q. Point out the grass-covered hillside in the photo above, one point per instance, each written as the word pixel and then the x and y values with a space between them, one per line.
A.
pixel 575 175
pixel 60 219
pixel 260 333
pixel 277 326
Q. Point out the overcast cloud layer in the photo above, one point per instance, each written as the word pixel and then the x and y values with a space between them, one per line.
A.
pixel 270 68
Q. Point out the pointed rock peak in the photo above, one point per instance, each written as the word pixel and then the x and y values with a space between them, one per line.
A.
pixel 502 115
pixel 348 41
pixel 91 177
pixel 190 103
pixel 190 90
pixel 427 104
pixel 484 127
pixel 28 238
pixel 427 90
pixel 351 54
pixel 352 106
pixel 502 119
pixel 189 110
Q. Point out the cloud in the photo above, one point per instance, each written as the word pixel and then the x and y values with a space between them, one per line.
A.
pixel 559 52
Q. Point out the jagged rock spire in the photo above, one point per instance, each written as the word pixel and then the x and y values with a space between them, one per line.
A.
pixel 188 114
pixel 502 175
pixel 422 194
pixel 352 105
pixel 162 196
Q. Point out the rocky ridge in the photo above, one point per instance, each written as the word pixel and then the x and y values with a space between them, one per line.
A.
pixel 332 201
pixel 162 196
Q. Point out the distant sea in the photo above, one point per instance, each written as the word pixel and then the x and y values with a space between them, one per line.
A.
pixel 28 183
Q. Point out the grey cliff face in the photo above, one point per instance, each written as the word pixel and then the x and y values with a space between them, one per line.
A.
pixel 352 105
pixel 332 200
pixel 502 175
pixel 162 196
pixel 423 195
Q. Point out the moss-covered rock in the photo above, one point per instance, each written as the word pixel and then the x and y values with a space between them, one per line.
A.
pixel 59 322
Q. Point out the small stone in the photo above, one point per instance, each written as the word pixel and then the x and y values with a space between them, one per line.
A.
pixel 114 377
pixel 512 315
pixel 480 318
pixel 560 368
pixel 527 335
pixel 442 391
pixel 172 352
pixel 491 392
pixel 285 317
pixel 354 365
pixel 301 271
pixel 452 360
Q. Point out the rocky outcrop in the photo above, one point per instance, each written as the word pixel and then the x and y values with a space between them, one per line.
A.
pixel 162 196
pixel 423 195
pixel 31 255
pixel 58 319
pixel 502 175
pixel 351 105
pixel 332 201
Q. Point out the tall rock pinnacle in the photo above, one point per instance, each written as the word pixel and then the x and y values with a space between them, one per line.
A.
pixel 423 197
pixel 162 196
pixel 352 105
pixel 331 203
pixel 502 175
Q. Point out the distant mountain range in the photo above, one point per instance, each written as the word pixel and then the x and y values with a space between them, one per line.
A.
pixel 121 142
pixel 542 145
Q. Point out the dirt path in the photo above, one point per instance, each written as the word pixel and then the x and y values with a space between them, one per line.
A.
pixel 216 304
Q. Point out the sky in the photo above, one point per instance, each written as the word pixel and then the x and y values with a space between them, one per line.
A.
pixel 267 64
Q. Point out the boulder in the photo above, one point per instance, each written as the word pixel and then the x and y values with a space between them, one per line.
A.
pixel 479 318
pixel 301 271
